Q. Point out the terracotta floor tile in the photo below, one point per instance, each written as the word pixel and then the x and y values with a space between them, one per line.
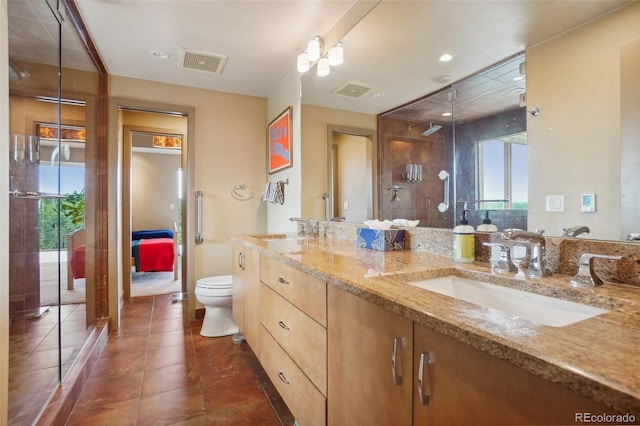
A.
pixel 259 413
pixel 170 338
pixel 169 378
pixel 231 392
pixel 162 357
pixel 119 345
pixel 222 366
pixel 167 324
pixel 119 364
pixel 171 407
pixel 108 390
pixel 120 413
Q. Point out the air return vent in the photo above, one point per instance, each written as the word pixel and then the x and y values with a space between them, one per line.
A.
pixel 201 61
pixel 351 89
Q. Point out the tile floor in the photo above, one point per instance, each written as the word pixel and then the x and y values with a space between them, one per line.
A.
pixel 158 370
pixel 33 358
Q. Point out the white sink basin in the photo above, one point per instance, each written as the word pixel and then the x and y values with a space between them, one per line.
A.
pixel 533 307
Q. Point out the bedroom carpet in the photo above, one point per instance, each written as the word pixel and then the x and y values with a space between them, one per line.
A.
pixel 158 370
pixel 151 283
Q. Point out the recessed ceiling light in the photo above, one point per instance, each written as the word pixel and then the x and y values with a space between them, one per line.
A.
pixel 446 114
pixel 517 91
pixel 446 58
pixel 377 95
pixel 518 78
pixel 158 54
pixel 445 77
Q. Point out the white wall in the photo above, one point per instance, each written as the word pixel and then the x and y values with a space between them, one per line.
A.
pixel 4 213
pixel 353 180
pixel 574 143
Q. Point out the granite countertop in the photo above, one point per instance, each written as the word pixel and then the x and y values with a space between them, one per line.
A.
pixel 596 357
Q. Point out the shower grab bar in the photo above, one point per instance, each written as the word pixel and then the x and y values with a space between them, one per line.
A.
pixel 444 206
pixel 199 239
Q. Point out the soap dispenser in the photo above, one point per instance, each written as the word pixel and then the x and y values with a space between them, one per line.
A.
pixel 487 226
pixel 464 244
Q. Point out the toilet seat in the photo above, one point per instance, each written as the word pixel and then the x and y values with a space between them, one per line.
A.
pixel 217 282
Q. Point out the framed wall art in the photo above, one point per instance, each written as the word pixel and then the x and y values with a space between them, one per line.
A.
pixel 279 136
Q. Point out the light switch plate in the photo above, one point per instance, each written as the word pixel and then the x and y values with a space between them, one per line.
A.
pixel 555 203
pixel 588 202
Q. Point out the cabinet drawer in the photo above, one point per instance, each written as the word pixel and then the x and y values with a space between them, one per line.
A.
pixel 298 334
pixel 306 292
pixel 306 403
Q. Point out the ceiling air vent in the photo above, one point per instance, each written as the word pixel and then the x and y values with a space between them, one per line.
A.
pixel 351 89
pixel 200 61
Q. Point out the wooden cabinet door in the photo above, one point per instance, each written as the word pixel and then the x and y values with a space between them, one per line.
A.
pixel 237 276
pixel 251 299
pixel 462 385
pixel 362 389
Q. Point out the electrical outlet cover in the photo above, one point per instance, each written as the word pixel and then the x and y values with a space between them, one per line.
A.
pixel 555 203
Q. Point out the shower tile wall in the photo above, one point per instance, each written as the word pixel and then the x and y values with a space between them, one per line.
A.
pixel 24 243
pixel 399 145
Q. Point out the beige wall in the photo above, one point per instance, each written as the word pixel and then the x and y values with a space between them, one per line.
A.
pixel 314 151
pixel 154 190
pixel 4 214
pixel 574 144
pixel 287 94
pixel 229 149
pixel 353 183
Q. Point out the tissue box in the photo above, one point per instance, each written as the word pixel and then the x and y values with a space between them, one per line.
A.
pixel 379 239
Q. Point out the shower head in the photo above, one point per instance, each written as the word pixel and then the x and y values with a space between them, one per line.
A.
pixel 431 129
pixel 16 72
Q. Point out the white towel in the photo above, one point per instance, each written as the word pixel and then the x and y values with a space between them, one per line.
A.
pixel 273 193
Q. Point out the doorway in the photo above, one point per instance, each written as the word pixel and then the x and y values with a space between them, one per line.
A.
pixel 156 205
pixel 130 119
pixel 352 174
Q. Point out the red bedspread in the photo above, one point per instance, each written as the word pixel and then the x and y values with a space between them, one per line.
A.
pixel 154 255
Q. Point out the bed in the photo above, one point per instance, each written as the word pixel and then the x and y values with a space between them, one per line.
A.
pixel 152 250
pixel 155 250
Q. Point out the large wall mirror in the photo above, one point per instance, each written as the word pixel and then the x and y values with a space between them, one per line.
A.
pixel 544 138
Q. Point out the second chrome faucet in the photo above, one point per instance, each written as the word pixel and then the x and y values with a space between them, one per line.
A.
pixel 538 266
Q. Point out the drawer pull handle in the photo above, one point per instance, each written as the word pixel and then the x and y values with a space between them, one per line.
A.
pixel 397 345
pixel 283 281
pixel 424 384
pixel 283 378
pixel 283 325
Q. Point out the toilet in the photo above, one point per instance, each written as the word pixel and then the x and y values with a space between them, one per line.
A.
pixel 215 294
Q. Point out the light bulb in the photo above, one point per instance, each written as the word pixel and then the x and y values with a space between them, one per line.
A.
pixel 323 66
pixel 336 55
pixel 314 49
pixel 303 62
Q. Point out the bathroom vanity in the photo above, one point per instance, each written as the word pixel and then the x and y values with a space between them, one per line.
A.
pixel 347 340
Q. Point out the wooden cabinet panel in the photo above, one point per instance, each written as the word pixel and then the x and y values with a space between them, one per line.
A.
pixel 299 335
pixel 305 402
pixel 361 388
pixel 468 386
pixel 306 292
pixel 251 298
pixel 237 276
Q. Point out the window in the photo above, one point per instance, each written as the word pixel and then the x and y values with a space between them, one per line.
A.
pixel 503 172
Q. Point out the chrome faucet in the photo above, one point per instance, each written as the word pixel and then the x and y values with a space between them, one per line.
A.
pixel 538 267
pixel 504 264
pixel 574 231
pixel 633 236
pixel 586 276
pixel 306 226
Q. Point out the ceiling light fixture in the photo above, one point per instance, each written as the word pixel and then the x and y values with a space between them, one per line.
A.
pixel 314 49
pixel 314 53
pixel 446 114
pixel 446 57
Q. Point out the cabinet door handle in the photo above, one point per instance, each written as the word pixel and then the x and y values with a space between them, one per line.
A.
pixel 397 346
pixel 240 259
pixel 283 325
pixel 424 383
pixel 283 281
pixel 283 378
